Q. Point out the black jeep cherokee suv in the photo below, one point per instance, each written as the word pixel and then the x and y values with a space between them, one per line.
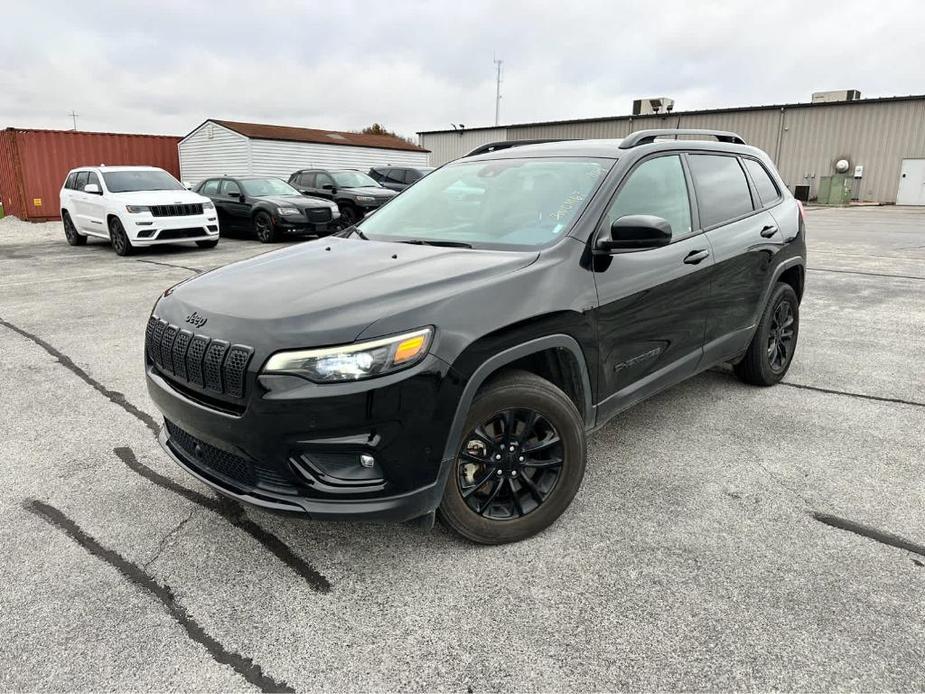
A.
pixel 355 193
pixel 452 351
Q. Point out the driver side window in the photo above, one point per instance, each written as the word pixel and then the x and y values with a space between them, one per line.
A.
pixel 655 187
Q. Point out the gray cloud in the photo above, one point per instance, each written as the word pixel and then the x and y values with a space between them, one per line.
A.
pixel 164 67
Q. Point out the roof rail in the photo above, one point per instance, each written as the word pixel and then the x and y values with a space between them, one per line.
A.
pixel 507 144
pixel 645 137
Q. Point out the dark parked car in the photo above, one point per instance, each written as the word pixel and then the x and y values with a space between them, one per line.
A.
pixel 398 177
pixel 355 193
pixel 269 207
pixel 452 352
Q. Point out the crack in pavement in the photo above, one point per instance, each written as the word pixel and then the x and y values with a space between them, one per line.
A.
pixel 846 393
pixel 162 545
pixel 136 575
pixel 227 508
pixel 173 265
pixel 867 274
pixel 871 533
pixel 234 513
pixel 113 396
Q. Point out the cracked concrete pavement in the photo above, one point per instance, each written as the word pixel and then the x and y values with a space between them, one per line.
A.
pixel 690 558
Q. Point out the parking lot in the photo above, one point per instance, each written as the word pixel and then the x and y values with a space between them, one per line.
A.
pixel 695 555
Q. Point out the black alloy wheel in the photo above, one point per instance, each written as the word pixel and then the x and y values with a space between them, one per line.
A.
pixel 775 341
pixel 263 227
pixel 781 337
pixel 509 464
pixel 74 238
pixel 120 241
pixel 349 214
pixel 519 464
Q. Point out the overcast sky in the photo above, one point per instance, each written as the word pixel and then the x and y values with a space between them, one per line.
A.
pixel 164 67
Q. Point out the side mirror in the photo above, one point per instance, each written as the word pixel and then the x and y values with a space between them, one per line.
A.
pixel 93 188
pixel 328 186
pixel 187 185
pixel 636 232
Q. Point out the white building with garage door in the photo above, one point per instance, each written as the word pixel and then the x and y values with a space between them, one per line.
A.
pixel 228 148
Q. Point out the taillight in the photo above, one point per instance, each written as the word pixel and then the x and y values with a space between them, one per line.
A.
pixel 802 211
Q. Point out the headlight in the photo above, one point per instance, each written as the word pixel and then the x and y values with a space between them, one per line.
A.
pixel 354 362
pixel 208 206
pixel 365 198
pixel 137 209
pixel 288 211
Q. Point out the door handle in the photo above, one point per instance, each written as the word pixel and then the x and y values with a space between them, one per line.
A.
pixel 695 257
pixel 768 231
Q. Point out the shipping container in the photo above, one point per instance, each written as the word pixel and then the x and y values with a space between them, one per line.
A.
pixel 34 163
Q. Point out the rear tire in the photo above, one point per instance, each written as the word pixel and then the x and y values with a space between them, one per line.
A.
pixel 207 244
pixel 74 237
pixel 263 227
pixel 520 463
pixel 771 351
pixel 120 241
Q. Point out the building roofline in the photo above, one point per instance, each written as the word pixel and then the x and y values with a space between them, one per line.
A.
pixel 84 132
pixel 697 112
pixel 240 128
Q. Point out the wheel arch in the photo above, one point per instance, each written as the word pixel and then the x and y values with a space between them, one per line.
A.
pixel 557 358
pixel 111 216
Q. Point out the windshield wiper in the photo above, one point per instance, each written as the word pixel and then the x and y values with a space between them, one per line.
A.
pixel 447 244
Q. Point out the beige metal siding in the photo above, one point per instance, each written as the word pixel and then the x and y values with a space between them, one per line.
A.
pixel 446 147
pixel 805 141
pixel 878 136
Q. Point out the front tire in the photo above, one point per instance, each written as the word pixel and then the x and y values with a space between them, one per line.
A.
pixel 520 462
pixel 207 244
pixel 74 237
pixel 349 214
pixel 263 227
pixel 771 351
pixel 120 240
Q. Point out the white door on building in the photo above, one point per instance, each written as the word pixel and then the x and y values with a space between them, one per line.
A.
pixel 912 183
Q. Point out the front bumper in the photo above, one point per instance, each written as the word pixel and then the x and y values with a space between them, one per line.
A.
pixel 301 226
pixel 296 446
pixel 147 230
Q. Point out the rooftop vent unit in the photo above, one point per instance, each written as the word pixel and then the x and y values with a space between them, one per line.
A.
pixel 837 95
pixel 646 107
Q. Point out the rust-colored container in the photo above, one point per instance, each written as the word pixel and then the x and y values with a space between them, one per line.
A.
pixel 34 163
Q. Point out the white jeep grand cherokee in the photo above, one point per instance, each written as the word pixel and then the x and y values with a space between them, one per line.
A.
pixel 134 206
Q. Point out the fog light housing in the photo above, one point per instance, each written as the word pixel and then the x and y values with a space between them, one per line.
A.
pixel 367 460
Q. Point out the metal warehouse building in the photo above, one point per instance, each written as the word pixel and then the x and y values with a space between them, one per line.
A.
pixel 220 147
pixel 883 140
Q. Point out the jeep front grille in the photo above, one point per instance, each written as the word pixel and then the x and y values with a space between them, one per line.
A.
pixel 213 365
pixel 176 210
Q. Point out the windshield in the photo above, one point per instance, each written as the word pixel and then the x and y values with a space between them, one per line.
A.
pixel 134 181
pixel 353 179
pixel 507 203
pixel 257 187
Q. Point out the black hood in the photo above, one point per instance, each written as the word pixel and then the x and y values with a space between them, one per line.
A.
pixel 375 192
pixel 326 292
pixel 301 202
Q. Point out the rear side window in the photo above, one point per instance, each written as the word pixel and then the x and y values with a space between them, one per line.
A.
pixel 71 182
pixel 412 175
pixel 722 189
pixel 764 184
pixel 656 187
pixel 308 180
pixel 210 187
pixel 81 180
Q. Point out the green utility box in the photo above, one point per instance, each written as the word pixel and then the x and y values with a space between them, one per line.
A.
pixel 834 190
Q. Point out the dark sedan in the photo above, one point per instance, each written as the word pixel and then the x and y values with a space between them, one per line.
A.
pixel 269 207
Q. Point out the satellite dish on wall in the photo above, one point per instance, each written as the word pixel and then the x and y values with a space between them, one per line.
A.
pixel 842 166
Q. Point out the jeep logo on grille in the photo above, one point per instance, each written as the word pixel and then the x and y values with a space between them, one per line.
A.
pixel 195 319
